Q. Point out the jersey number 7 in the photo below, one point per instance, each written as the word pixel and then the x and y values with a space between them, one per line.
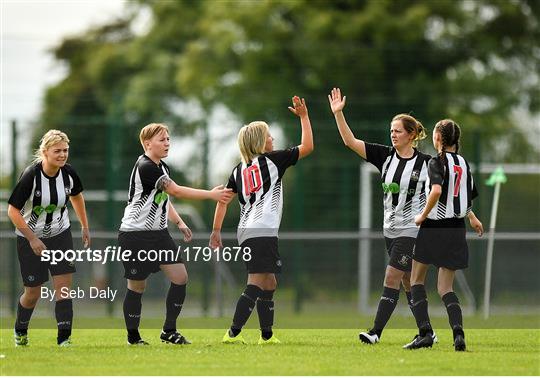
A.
pixel 458 171
pixel 252 179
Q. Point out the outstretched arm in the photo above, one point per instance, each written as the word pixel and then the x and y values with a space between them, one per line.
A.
pixel 80 209
pixel 300 109
pixel 337 103
pixel 219 193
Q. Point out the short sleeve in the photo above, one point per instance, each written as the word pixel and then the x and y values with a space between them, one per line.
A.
pixel 150 174
pixel 283 159
pixel 376 154
pixel 232 181
pixel 23 189
pixel 77 184
pixel 435 171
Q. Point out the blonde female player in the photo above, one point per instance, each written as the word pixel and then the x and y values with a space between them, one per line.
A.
pixel 38 209
pixel 258 182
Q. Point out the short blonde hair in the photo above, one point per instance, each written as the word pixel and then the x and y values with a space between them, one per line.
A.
pixel 252 139
pixel 50 138
pixel 151 130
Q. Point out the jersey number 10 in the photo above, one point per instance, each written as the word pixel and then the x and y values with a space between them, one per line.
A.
pixel 252 179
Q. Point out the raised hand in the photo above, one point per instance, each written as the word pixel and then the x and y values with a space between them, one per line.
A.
pixel 299 107
pixel 337 103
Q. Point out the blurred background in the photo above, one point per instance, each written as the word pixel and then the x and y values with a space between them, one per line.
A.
pixel 100 71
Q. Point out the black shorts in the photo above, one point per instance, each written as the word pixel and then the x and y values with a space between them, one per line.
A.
pixel 264 255
pixel 139 267
pixel 400 251
pixel 442 243
pixel 34 271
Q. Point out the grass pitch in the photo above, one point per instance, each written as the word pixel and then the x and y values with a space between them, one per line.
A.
pixel 302 352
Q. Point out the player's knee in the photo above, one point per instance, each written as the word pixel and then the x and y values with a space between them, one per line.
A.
pixel 392 279
pixel 137 286
pixel 31 296
pixel 180 280
pixel 271 283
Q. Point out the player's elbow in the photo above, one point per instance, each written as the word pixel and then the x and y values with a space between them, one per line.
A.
pixel 12 211
pixel 306 149
pixel 436 190
pixel 174 190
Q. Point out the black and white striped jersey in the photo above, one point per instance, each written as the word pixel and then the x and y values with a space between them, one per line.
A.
pixel 147 206
pixel 403 185
pixel 458 188
pixel 260 192
pixel 43 200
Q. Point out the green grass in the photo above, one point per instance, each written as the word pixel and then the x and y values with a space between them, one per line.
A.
pixel 303 352
pixel 329 317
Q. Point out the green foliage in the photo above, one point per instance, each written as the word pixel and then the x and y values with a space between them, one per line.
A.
pixel 474 61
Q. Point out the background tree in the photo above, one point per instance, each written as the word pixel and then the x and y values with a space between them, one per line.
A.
pixel 474 61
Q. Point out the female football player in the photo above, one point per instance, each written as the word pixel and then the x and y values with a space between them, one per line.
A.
pixel 403 174
pixel 258 182
pixel 38 209
pixel 441 239
pixel 144 228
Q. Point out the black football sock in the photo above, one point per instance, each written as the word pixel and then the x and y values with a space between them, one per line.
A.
pixel 409 301
pixel 64 318
pixel 244 307
pixel 265 310
pixel 23 319
pixel 455 318
pixel 387 304
pixel 174 303
pixel 420 309
pixel 132 314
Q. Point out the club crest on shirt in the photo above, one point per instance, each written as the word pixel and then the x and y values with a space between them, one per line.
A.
pixel 37 193
pixel 415 175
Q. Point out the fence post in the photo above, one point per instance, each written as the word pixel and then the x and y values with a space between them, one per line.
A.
pixel 113 146
pixel 13 249
pixel 476 258
pixel 364 244
pixel 207 271
pixel 297 257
